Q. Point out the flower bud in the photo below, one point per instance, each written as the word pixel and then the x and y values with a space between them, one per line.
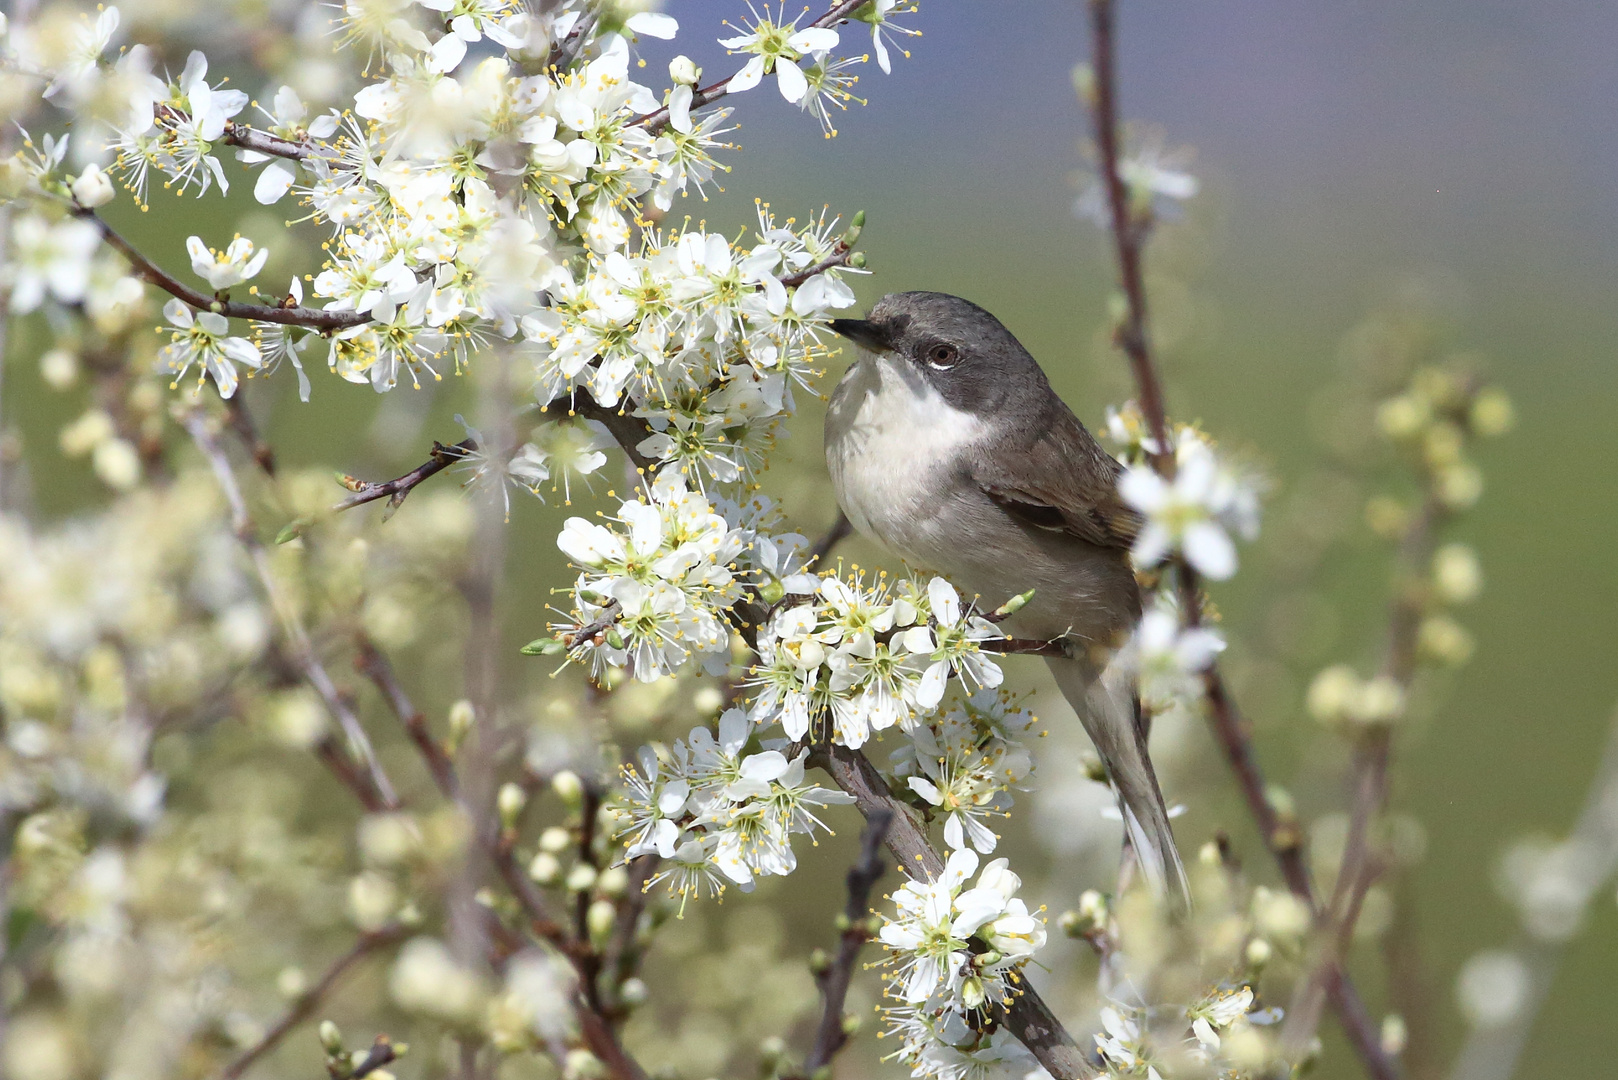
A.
pixel 510 802
pixel 1403 417
pixel 331 1038
pixel 1259 953
pixel 1457 575
pixel 580 1064
pixel 599 919
pixel 633 992
pixel 1459 486
pixel 1492 413
pixel 555 840
pixel 1444 641
pixel 684 71
pixel 59 368
pixel 461 717
pixel 614 881
pixel 568 787
pixel 545 868
pixel 581 877
pixel 93 188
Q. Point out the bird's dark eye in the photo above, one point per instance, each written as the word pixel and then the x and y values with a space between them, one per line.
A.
pixel 943 356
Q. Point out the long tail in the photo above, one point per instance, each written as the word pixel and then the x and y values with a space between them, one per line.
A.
pixel 1105 702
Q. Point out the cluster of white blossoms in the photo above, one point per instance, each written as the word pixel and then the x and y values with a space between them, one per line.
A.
pixel 709 807
pixel 965 762
pixel 868 656
pixel 955 949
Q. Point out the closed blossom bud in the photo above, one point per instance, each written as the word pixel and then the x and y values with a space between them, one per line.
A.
pixel 599 919
pixel 1403 417
pixel 1459 486
pixel 1259 953
pixel 1380 701
pixel 568 787
pixel 331 1038
pixel 59 368
pixel 545 868
pixel 1084 84
pixel 633 992
pixel 614 881
pixel 772 1049
pixel 1395 1033
pixel 1444 641
pixel 1457 575
pixel 93 187
pixel 555 840
pixel 580 1064
pixel 1332 693
pixel 581 877
pixel 510 801
pixel 819 962
pixel 684 71
pixel 461 717
pixel 851 1025
pixel 1492 412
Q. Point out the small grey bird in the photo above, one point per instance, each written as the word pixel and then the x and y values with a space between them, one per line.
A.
pixel 947 445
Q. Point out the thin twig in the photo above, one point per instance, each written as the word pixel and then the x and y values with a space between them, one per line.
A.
pixel 304 1005
pixel 659 119
pixel 439 458
pixel 840 529
pixel 371 663
pixel 832 1033
pixel 314 318
pixel 300 650
pixel 1229 728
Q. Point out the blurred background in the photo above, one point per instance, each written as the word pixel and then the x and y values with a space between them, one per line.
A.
pixel 1439 172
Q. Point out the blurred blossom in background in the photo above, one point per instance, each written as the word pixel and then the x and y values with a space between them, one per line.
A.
pixel 1349 191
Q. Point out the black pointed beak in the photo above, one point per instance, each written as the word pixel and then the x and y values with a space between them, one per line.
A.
pixel 861 332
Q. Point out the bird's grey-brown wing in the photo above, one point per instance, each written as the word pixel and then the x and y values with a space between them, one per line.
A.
pixel 1059 480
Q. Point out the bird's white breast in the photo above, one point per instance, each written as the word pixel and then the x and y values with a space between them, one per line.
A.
pixel 893 446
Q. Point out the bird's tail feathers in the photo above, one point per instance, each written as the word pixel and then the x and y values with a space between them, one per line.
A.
pixel 1105 702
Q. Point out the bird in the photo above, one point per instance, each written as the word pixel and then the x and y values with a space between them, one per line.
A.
pixel 948 447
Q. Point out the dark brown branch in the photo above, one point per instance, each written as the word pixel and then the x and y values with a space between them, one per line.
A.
pixel 304 1005
pixel 250 138
pixel 1028 1017
pixel 396 490
pixel 1231 731
pixel 241 422
pixel 314 318
pixel 627 429
pixel 658 120
pixel 300 651
pixel 840 530
pixel 371 663
pixel 841 253
pixel 1127 235
pixel 382 1053
pixel 832 1033
pixel 1024 647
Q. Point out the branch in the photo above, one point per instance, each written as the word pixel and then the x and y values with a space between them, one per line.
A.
pixel 840 529
pixel 373 787
pixel 396 490
pixel 314 318
pixel 250 138
pixel 656 121
pixel 862 878
pixel 1028 1017
pixel 304 1005
pixel 1232 732
pixel 370 662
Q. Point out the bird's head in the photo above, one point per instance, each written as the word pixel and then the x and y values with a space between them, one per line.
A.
pixel 962 351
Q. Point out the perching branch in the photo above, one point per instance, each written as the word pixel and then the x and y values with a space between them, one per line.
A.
pixel 862 878
pixel 250 138
pixel 371 663
pixel 1028 1017
pixel 314 318
pixel 372 786
pixel 1230 730
pixel 655 122
pixel 304 1005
